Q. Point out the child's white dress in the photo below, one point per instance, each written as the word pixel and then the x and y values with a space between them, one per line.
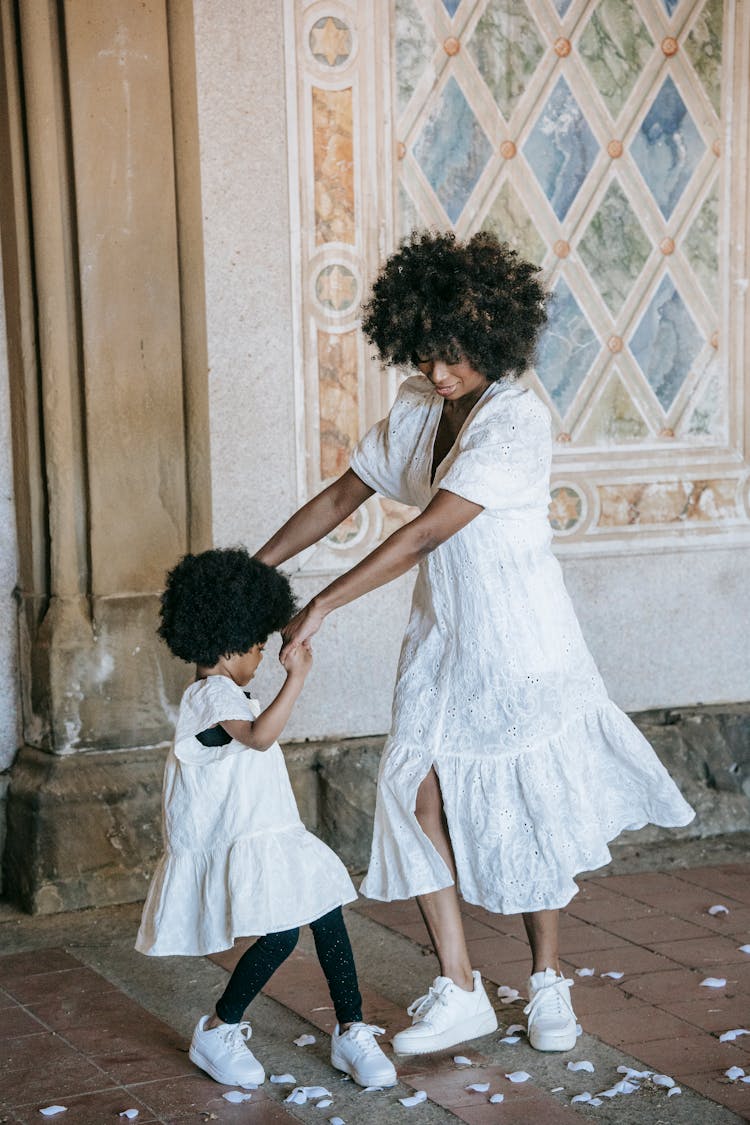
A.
pixel 496 688
pixel 237 860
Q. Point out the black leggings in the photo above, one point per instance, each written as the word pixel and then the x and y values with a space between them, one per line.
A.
pixel 260 962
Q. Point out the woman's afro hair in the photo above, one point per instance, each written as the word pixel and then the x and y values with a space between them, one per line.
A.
pixel 221 602
pixel 438 298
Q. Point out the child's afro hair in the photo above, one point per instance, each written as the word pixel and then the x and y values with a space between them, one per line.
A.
pixel 221 602
pixel 438 298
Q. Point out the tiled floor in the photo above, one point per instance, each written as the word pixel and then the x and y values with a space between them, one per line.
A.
pixel 69 1037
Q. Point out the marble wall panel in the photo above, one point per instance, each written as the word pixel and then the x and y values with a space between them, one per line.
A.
pixel 333 161
pixel 671 502
pixel 339 409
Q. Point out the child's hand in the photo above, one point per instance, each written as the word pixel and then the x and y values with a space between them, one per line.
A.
pixel 297 660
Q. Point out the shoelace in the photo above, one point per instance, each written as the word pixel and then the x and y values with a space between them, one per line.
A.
pixel 549 1001
pixel 236 1035
pixel 363 1035
pixel 422 1007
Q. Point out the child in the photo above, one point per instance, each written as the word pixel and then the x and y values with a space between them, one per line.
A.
pixel 237 858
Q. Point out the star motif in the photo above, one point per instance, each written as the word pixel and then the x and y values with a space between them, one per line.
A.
pixel 331 41
pixel 336 287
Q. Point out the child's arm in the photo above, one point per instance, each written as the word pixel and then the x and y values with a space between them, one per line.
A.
pixel 266 729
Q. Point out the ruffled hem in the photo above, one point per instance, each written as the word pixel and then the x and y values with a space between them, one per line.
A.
pixel 199 903
pixel 521 826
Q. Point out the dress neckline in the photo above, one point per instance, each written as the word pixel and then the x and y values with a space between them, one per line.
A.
pixel 438 406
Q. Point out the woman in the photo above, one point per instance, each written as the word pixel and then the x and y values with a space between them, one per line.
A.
pixel 507 768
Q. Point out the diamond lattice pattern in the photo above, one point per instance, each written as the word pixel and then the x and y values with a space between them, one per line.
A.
pixel 587 137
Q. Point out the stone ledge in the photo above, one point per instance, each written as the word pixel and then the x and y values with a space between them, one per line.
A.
pixel 84 829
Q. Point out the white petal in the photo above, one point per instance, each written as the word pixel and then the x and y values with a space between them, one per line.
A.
pixel 507 995
pixel 585 972
pixel 615 976
pixel 284 1079
pixel 51 1110
pixel 315 1092
pixel 514 1027
pixel 235 1097
pixel 131 1114
pixel 497 1098
pixel 415 1099
pixel 371 1089
pixel 510 1038
pixel 297 1097
pixel 579 1030
pixel 674 1090
pixel 324 1104
pixel 714 982
pixel 518 1076
pixel 584 1097
pixel 729 1036
pixel 336 1121
pixel 461 1060
pixel 744 948
pixel 584 1064
pixel 304 1041
pixel 478 1087
pixel 557 1090
pixel 595 1101
pixel 662 1080
pixel 718 909
pixel 732 1073
pixel 630 1073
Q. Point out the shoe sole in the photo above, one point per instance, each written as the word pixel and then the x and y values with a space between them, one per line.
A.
pixel 219 1076
pixel 373 1080
pixel 554 1043
pixel 463 1033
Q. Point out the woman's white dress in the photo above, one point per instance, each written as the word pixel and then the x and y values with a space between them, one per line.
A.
pixel 496 688
pixel 237 861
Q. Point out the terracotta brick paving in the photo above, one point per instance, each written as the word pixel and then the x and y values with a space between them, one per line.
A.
pixel 655 928
pixel 67 1036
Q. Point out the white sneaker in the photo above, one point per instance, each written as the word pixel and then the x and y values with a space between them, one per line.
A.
pixel 552 1021
pixel 445 1016
pixel 223 1053
pixel 356 1053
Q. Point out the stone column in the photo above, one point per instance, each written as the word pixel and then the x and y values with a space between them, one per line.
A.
pixel 109 426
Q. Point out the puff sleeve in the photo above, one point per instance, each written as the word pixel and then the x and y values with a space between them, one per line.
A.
pixel 504 456
pixel 382 456
pixel 211 701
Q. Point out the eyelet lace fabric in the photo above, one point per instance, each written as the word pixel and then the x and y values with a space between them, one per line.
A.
pixel 496 688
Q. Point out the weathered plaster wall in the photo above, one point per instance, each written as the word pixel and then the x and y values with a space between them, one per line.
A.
pixel 10 732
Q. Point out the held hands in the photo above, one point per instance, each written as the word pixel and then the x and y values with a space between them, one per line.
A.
pixel 297 660
pixel 299 630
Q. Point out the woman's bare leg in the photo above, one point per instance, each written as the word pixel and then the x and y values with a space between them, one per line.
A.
pixel 440 909
pixel 543 932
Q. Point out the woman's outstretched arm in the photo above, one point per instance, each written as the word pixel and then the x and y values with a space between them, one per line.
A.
pixel 319 516
pixel 444 516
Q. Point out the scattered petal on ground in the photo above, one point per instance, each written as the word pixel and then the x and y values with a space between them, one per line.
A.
pixel 584 1064
pixel 718 909
pixel 557 1090
pixel 622 1087
pixel 733 1073
pixel 614 975
pixel 744 948
pixel 518 1076
pixel 336 1121
pixel 674 1090
pixel 461 1060
pixel 131 1114
pixel 514 1027
pixel 729 1036
pixel 325 1103
pixel 630 1073
pixel 478 1087
pixel 714 982
pixel 584 1097
pixel 579 1031
pixel 662 1080
pixel 585 972
pixel 497 1098
pixel 235 1097
pixel 297 1097
pixel 595 1101
pixel 283 1079
pixel 510 1038
pixel 51 1110
pixel 304 1041
pixel 415 1099
pixel 507 995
